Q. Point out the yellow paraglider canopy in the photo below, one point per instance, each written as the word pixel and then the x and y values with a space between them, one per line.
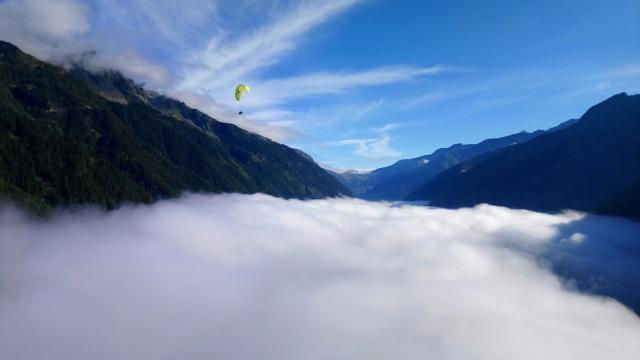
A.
pixel 240 89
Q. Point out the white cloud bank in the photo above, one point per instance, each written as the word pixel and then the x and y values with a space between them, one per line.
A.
pixel 42 19
pixel 61 32
pixel 43 27
pixel 254 277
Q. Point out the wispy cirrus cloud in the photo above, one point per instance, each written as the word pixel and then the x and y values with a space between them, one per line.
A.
pixel 281 90
pixel 225 59
pixel 170 23
pixel 198 51
pixel 360 111
pixel 388 127
pixel 206 52
pixel 229 58
pixel 373 148
pixel 490 88
pixel 370 148
pixel 268 97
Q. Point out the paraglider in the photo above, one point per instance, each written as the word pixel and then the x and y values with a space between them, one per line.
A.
pixel 241 89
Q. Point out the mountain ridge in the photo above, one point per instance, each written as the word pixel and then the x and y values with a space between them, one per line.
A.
pixel 62 142
pixel 592 165
pixel 398 186
pixel 396 181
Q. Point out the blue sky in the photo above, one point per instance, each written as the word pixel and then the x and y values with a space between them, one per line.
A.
pixel 356 84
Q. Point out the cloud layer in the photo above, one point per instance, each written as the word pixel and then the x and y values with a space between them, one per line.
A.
pixel 254 277
pixel 43 27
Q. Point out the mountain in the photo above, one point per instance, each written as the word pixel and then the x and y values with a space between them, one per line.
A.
pixel 357 181
pixel 591 165
pixel 69 137
pixel 423 168
pixel 396 181
pixel 365 183
pixel 360 182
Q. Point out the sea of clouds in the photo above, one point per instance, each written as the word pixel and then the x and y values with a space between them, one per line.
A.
pixel 256 277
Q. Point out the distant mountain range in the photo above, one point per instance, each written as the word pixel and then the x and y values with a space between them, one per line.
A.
pixel 70 137
pixel 360 182
pixel 397 181
pixel 591 165
pixel 397 187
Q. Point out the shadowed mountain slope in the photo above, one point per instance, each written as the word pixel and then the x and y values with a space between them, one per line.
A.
pixel 592 165
pixel 69 137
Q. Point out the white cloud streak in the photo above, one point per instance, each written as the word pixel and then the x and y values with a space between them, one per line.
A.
pixel 198 52
pixel 248 277
pixel 225 62
pixel 370 148
pixel 388 127
pixel 171 23
pixel 279 91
